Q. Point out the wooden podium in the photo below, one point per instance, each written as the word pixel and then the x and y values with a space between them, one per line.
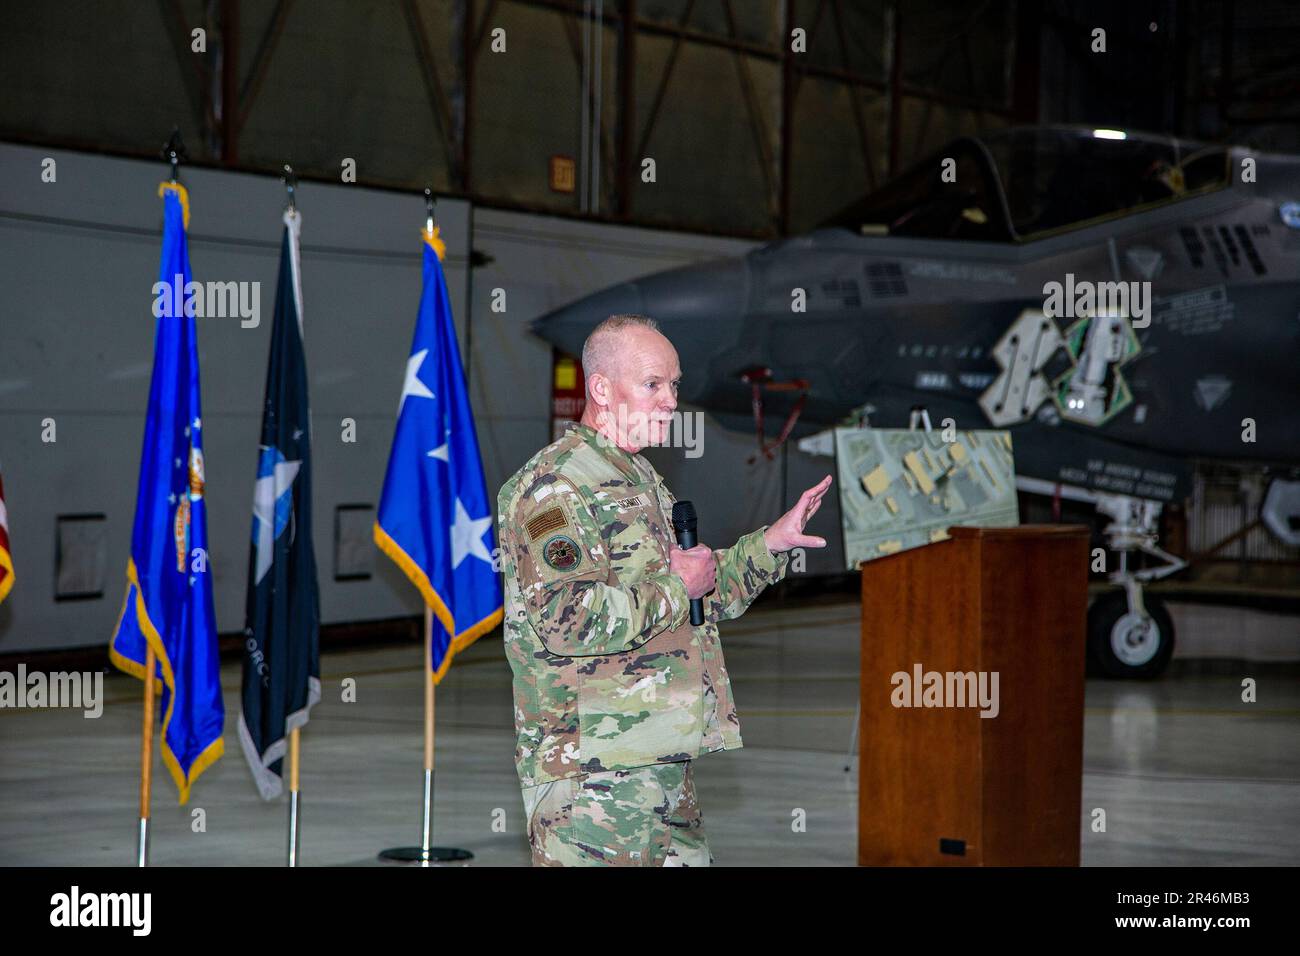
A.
pixel 941 785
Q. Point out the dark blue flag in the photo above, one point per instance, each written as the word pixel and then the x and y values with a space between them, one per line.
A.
pixel 169 585
pixel 435 520
pixel 282 619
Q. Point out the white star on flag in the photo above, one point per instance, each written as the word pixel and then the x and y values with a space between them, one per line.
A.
pixel 467 536
pixel 441 451
pixel 413 385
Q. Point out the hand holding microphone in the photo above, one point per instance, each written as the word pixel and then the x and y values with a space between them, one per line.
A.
pixel 691 561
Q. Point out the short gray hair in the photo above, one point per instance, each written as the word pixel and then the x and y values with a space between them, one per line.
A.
pixel 598 350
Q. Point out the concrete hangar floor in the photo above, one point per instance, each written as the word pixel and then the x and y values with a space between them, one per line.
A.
pixel 1188 774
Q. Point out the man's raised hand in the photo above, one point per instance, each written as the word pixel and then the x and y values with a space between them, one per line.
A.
pixel 787 531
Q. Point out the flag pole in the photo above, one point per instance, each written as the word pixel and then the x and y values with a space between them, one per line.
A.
pixel 427 830
pixel 426 853
pixel 291 184
pixel 293 796
pixel 173 151
pixel 146 759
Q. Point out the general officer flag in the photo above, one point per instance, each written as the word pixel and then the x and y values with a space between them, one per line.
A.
pixel 282 617
pixel 435 519
pixel 169 585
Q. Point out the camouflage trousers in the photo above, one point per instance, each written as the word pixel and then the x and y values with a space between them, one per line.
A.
pixel 643 817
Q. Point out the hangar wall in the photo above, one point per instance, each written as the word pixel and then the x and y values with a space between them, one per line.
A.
pixel 78 259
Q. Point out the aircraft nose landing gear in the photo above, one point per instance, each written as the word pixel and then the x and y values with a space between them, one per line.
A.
pixel 1131 634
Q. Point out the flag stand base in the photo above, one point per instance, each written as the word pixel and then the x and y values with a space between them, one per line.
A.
pixel 435 854
pixel 425 855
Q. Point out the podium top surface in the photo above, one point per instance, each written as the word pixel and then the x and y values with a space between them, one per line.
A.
pixel 962 531
pixel 1020 531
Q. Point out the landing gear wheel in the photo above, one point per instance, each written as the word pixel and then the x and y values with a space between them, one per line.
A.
pixel 1125 645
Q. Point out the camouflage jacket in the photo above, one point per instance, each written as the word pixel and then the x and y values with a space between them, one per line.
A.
pixel 609 674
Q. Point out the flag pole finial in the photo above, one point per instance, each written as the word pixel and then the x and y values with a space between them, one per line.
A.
pixel 290 180
pixel 429 203
pixel 174 151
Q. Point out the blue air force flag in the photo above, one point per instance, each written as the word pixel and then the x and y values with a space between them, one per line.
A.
pixel 282 618
pixel 168 602
pixel 435 519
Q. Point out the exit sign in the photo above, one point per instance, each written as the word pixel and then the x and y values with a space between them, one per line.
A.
pixel 562 174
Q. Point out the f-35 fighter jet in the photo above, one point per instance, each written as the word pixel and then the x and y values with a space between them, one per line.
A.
pixel 1121 302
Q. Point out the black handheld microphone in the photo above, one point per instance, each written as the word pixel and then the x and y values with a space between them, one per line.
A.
pixel 684 522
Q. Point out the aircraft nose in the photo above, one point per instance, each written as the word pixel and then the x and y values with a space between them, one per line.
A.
pixel 683 301
pixel 568 326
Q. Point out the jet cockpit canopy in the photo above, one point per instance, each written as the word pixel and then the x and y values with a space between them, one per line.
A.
pixel 1020 184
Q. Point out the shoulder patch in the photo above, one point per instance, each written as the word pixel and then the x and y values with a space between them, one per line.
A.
pixel 552 519
pixel 561 553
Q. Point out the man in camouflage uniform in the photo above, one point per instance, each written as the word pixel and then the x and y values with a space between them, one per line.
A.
pixel 615 692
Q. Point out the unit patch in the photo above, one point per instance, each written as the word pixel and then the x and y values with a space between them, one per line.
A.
pixel 561 553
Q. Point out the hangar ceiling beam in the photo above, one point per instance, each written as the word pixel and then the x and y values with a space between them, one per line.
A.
pixel 756 125
pixel 908 89
pixel 1225 61
pixel 481 35
pixel 432 84
pixel 468 55
pixel 864 141
pixel 663 80
pixel 788 81
pixel 1027 73
pixel 627 102
pixel 473 41
pixel 895 33
pixel 261 61
pixel 195 75
pixel 571 7
pixel 229 82
pixel 731 43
